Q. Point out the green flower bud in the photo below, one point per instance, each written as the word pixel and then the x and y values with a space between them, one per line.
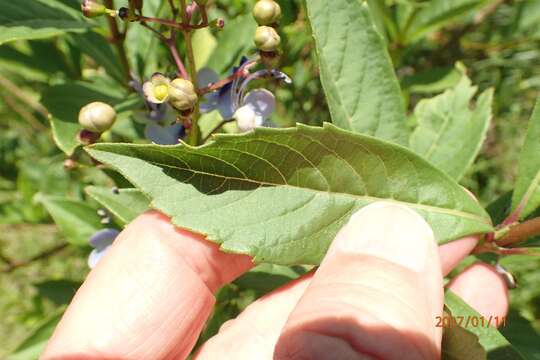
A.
pixel 267 12
pixel 97 117
pixel 91 8
pixel 182 94
pixel 267 38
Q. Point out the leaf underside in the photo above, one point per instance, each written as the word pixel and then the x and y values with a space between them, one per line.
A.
pixel 281 195
pixel 357 75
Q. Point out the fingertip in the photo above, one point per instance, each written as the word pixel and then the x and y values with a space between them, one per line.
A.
pixel 452 253
pixel 377 292
pixel 481 286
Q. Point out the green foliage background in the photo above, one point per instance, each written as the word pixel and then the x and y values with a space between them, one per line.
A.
pixel 498 43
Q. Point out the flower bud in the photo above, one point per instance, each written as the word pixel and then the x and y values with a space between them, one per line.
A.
pixel 157 89
pixel 267 38
pixel 97 117
pixel 267 12
pixel 182 94
pixel 91 8
pixel 246 118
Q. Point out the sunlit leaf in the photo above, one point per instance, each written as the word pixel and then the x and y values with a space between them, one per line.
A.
pixel 281 195
pixel 356 71
pixel 450 133
pixel 125 204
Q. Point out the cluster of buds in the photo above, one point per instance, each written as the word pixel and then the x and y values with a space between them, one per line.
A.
pixel 267 13
pixel 179 93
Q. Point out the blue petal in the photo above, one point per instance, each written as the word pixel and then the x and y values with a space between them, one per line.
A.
pixel 262 101
pixel 95 256
pixel 103 238
pixel 210 102
pixel 226 106
pixel 206 76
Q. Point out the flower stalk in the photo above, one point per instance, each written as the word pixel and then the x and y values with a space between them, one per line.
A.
pixel 118 39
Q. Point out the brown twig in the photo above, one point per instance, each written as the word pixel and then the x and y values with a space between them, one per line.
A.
pixel 171 44
pixel 118 39
pixel 221 83
pixel 13 265
pixel 520 232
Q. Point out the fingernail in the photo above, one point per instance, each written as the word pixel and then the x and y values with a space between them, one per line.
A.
pixel 389 231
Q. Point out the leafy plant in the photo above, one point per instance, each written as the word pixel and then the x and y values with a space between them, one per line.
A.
pixel 199 111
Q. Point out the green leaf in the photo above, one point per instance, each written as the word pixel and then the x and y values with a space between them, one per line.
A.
pixel 439 13
pixel 97 47
pixel 126 205
pixel 37 19
pixel 526 197
pixel 493 342
pixel 77 220
pixel 450 133
pixel 204 44
pixel 34 344
pixel 64 103
pixel 459 343
pixel 356 71
pixel 281 195
pixel 233 42
pixel 521 333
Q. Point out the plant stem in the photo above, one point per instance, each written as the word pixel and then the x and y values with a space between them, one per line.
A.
pixel 520 232
pixel 118 39
pixel 195 135
pixel 171 44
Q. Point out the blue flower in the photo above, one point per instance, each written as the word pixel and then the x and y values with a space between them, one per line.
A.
pixel 100 241
pixel 254 107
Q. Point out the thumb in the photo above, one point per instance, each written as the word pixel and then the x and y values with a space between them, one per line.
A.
pixel 376 295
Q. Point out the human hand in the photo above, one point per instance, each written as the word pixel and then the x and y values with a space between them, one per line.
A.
pixel 376 295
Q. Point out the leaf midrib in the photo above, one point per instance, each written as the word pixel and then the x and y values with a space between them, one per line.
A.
pixel 357 197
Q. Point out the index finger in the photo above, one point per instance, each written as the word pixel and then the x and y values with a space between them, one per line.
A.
pixel 149 297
